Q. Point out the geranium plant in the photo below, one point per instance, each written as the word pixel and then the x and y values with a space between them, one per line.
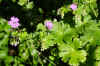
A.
pixel 49 33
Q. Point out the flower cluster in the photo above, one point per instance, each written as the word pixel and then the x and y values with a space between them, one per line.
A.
pixel 14 22
pixel 48 24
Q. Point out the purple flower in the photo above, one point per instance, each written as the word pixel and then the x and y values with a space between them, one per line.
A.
pixel 14 19
pixel 14 22
pixel 73 6
pixel 48 24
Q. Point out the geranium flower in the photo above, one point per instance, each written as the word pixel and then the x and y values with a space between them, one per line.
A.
pixel 14 22
pixel 48 24
pixel 73 6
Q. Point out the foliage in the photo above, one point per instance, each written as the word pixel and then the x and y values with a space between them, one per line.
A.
pixel 72 40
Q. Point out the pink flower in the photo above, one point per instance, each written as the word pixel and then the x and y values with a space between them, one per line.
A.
pixel 14 22
pixel 73 6
pixel 14 19
pixel 48 24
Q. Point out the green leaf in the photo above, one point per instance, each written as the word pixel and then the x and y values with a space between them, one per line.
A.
pixel 47 42
pixel 3 54
pixel 30 5
pixel 60 31
pixel 68 53
pixel 97 53
pixel 24 55
pixel 97 63
pixel 23 36
pixel 9 59
pixel 51 57
pixel 41 27
pixel 69 34
pixel 13 0
pixel 35 57
pixel 22 2
pixel 40 10
pixel 77 43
